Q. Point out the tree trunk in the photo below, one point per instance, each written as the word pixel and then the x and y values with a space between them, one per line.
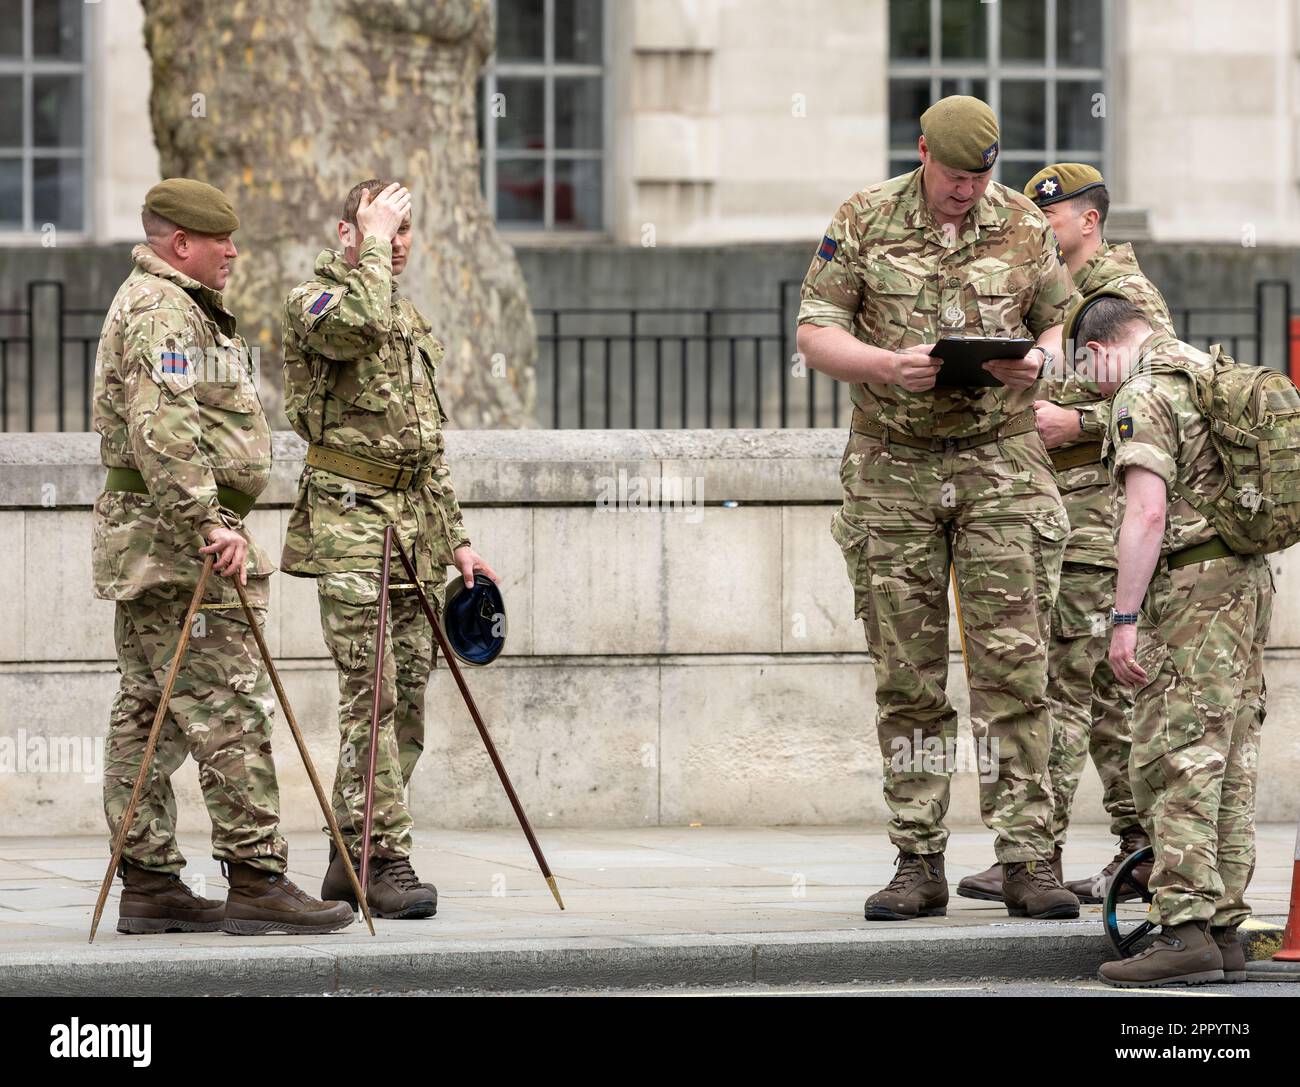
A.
pixel 286 106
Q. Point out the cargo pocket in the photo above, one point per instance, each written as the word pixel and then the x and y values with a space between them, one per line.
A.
pixel 1083 602
pixel 999 297
pixel 366 384
pixel 349 611
pixel 893 295
pixel 851 534
pixel 1050 530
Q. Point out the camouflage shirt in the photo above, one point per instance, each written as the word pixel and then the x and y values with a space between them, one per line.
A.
pixel 1086 489
pixel 360 365
pixel 1155 424
pixel 890 274
pixel 176 399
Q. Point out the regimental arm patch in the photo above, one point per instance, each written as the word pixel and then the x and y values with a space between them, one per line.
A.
pixel 318 307
pixel 1124 428
pixel 175 371
pixel 828 248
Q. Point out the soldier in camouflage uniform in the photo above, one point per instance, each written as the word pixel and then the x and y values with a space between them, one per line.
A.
pixel 188 449
pixel 360 366
pixel 1190 621
pixel 941 476
pixel 1089 709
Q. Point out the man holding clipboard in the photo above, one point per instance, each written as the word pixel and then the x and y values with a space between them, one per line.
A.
pixel 936 476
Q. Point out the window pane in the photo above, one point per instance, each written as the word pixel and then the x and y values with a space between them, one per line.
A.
pixel 520 30
pixel 1024 115
pixel 11 192
pixel 964 85
pixel 1078 34
pixel 964 30
pixel 520 192
pixel 579 121
pixel 577 195
pixel 909 29
pixel 1080 113
pixel 1016 175
pixel 522 127
pixel 56 192
pixel 908 99
pixel 11 28
pixel 56 110
pixel 1024 30
pixel 578 31
pixel 56 28
pixel 11 111
pixel 899 166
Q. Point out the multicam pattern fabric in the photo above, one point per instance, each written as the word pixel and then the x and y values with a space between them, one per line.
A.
pixel 360 367
pixel 349 609
pixel 176 398
pixel 1196 729
pixel 1088 704
pixel 1155 424
pixel 1085 490
pixel 891 275
pixel 220 712
pixel 994 512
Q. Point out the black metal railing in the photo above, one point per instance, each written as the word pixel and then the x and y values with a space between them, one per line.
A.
pixel 661 367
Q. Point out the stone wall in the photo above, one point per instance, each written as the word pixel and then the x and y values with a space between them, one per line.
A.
pixel 663 667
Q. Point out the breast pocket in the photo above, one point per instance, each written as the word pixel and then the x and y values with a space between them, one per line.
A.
pixel 1003 298
pixel 889 299
pixel 367 384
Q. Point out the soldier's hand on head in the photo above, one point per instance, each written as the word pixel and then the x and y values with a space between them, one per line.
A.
pixel 468 561
pixel 382 216
pixel 1056 425
pixel 1015 373
pixel 914 368
pixel 230 550
pixel 1123 655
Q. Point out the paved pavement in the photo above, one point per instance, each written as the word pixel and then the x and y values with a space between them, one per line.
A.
pixel 659 906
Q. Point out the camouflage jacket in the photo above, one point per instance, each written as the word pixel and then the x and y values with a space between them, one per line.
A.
pixel 175 398
pixel 360 365
pixel 1155 424
pixel 888 273
pixel 1086 490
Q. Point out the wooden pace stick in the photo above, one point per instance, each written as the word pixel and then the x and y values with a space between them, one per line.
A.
pixel 380 639
pixel 335 833
pixel 478 720
pixel 961 626
pixel 120 843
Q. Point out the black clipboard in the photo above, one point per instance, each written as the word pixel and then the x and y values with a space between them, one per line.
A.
pixel 963 358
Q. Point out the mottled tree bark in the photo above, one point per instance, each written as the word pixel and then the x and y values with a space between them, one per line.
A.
pixel 302 100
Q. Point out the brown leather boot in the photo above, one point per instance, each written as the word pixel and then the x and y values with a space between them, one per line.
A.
pixel 396 892
pixel 1181 955
pixel 1094 888
pixel 262 902
pixel 1234 955
pixel 1032 889
pixel 160 902
pixel 987 886
pixel 918 889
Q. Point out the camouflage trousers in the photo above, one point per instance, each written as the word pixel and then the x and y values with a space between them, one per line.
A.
pixel 1090 708
pixel 220 712
pixel 1196 728
pixel 994 511
pixel 349 610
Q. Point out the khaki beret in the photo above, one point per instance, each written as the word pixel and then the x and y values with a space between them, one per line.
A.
pixel 962 133
pixel 1063 181
pixel 193 205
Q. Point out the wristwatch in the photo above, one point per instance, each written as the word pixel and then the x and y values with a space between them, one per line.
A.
pixel 1048 359
pixel 1119 618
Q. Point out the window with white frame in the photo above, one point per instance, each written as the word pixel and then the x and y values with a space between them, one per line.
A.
pixel 1041 65
pixel 542 116
pixel 42 115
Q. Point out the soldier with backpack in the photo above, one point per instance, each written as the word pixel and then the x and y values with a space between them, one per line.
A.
pixel 1205 451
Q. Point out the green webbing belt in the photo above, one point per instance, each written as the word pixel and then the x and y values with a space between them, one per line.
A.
pixel 1213 548
pixel 129 479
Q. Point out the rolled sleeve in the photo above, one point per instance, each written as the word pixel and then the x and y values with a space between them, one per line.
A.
pixel 832 288
pixel 1144 432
